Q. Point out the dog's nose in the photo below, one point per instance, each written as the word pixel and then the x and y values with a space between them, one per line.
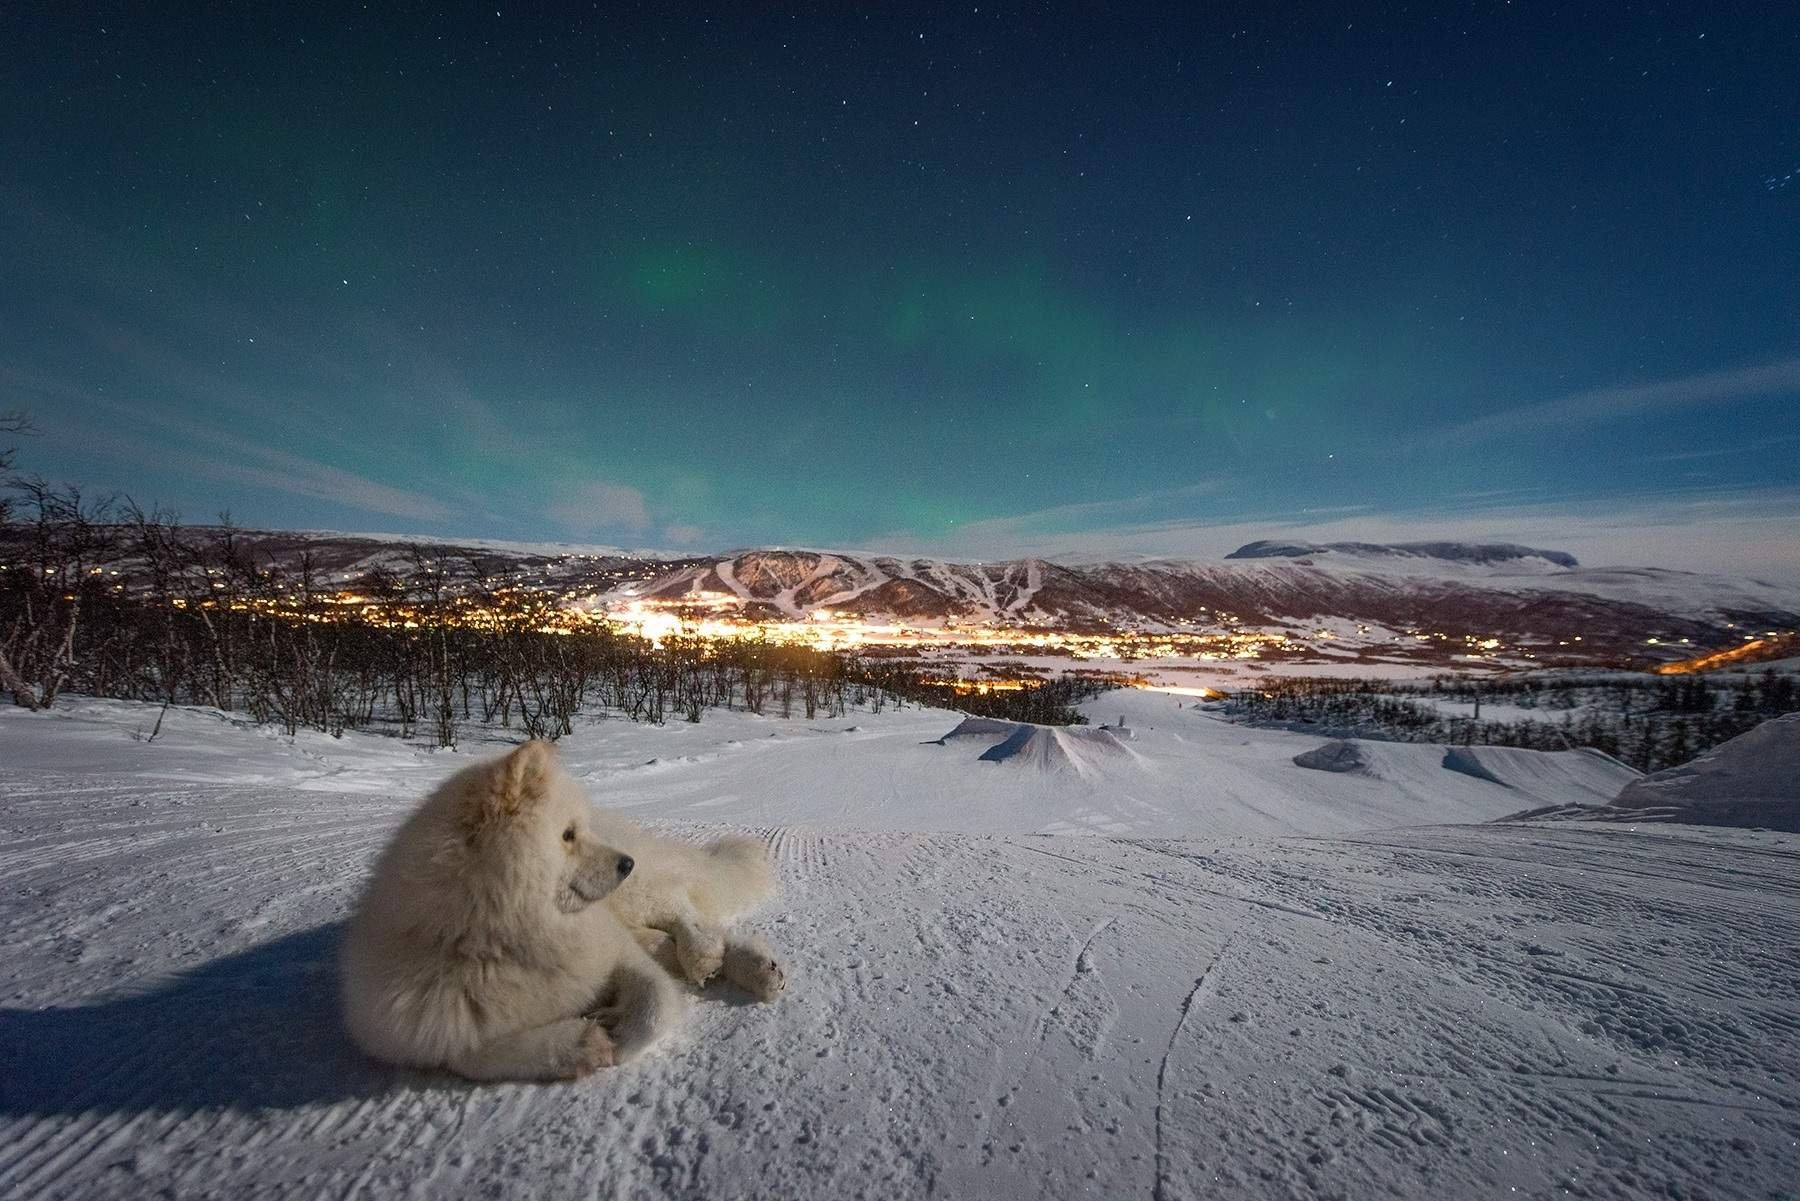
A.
pixel 625 866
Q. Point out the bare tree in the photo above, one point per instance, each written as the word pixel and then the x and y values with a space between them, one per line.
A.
pixel 12 423
pixel 68 544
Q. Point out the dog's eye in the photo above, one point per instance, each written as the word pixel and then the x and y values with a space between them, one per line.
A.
pixel 569 834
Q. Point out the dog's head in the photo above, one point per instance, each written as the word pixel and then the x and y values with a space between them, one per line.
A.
pixel 526 822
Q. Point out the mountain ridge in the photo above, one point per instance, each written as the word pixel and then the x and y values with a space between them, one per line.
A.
pixel 1479 553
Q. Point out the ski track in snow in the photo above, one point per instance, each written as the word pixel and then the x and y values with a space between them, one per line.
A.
pixel 1429 1011
pixel 1196 996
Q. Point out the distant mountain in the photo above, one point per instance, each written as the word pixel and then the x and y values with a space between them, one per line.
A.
pixel 1484 554
pixel 1607 614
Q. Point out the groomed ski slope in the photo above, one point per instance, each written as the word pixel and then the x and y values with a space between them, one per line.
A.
pixel 1181 968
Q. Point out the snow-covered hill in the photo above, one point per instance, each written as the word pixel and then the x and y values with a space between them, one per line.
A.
pixel 1752 780
pixel 1564 614
pixel 1404 590
pixel 1175 964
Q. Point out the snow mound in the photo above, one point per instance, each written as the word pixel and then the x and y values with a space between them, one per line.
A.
pixel 980 727
pixel 1563 775
pixel 1753 780
pixel 1339 756
pixel 1076 749
pixel 1471 762
pixel 1559 777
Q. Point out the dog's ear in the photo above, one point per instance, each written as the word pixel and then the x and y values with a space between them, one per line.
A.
pixel 523 774
pixel 514 781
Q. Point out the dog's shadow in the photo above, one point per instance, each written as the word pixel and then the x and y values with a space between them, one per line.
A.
pixel 258 1029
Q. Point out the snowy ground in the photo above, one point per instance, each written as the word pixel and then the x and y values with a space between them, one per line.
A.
pixel 1183 968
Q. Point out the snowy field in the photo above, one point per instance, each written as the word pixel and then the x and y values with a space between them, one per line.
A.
pixel 1171 964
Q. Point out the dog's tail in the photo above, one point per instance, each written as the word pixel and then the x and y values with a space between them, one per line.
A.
pixel 740 874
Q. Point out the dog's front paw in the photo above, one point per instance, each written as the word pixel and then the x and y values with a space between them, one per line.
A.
pixel 593 1049
pixel 700 958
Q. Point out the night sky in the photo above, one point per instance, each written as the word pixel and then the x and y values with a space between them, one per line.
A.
pixel 969 280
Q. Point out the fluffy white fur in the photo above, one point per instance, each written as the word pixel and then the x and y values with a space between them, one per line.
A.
pixel 682 901
pixel 510 930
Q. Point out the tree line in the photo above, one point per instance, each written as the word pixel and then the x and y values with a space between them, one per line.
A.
pixel 103 598
pixel 1649 722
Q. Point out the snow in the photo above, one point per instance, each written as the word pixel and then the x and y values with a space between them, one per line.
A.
pixel 1078 749
pixel 205 746
pixel 1231 675
pixel 1752 780
pixel 1193 968
pixel 1490 711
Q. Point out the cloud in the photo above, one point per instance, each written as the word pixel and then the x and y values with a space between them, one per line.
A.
pixel 280 472
pixel 599 506
pixel 1721 452
pixel 1034 527
pixel 683 535
pixel 201 450
pixel 1599 405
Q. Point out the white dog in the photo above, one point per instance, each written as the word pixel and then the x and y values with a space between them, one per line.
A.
pixel 507 914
